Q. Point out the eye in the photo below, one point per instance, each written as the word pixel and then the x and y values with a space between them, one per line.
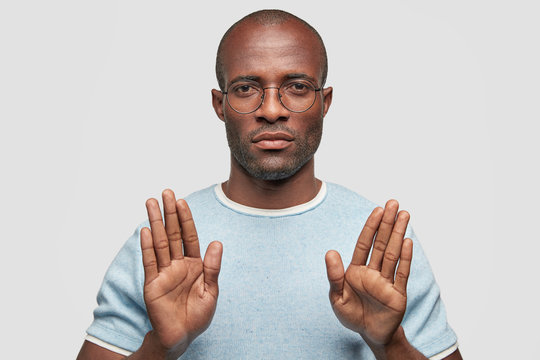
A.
pixel 244 90
pixel 297 88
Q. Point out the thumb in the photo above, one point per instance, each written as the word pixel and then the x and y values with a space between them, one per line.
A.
pixel 335 272
pixel 211 266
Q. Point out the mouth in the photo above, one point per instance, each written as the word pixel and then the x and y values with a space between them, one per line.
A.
pixel 273 140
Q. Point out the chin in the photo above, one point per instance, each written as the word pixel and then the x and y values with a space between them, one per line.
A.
pixel 273 173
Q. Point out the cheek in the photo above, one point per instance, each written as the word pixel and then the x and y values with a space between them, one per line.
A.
pixel 235 131
pixel 312 126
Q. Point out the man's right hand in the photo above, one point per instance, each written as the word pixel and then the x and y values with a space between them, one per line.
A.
pixel 180 289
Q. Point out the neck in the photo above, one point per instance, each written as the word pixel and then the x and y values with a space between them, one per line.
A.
pixel 272 194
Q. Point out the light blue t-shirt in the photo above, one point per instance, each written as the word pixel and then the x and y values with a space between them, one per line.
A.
pixel 273 301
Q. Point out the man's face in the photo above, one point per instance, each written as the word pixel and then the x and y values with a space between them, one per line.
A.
pixel 273 143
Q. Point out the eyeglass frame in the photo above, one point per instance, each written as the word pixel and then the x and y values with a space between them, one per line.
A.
pixel 279 97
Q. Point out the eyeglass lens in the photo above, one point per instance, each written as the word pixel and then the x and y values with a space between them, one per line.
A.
pixel 247 96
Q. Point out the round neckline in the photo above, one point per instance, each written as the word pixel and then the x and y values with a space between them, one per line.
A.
pixel 293 210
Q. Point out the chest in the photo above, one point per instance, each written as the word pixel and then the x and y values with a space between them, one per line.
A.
pixel 273 300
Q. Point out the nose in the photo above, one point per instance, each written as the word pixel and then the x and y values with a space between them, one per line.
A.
pixel 271 109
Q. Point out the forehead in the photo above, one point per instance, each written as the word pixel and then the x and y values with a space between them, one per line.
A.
pixel 272 52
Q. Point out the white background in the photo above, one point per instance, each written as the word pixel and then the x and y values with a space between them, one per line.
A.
pixel 106 103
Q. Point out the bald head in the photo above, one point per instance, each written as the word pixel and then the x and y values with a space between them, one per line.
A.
pixel 267 18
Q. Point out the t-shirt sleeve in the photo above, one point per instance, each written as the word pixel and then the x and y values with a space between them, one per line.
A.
pixel 425 322
pixel 120 318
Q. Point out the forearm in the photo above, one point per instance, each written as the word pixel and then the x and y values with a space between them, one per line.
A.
pixel 398 348
pixel 151 349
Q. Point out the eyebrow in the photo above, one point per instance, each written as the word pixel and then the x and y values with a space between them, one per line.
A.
pixel 287 77
pixel 245 77
pixel 300 76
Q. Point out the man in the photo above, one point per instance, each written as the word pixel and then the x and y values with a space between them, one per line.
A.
pixel 275 220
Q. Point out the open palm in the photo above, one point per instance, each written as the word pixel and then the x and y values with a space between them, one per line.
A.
pixel 371 299
pixel 180 289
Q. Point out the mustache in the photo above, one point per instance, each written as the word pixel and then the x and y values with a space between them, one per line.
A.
pixel 272 128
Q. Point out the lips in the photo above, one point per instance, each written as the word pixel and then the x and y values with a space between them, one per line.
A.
pixel 271 136
pixel 272 140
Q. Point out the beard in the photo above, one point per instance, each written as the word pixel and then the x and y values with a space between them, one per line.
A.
pixel 276 164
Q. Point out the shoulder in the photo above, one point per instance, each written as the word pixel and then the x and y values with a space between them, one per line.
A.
pixel 341 192
pixel 343 214
pixel 201 198
pixel 342 199
pixel 202 193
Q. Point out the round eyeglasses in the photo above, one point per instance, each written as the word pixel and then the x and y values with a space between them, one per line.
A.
pixel 296 95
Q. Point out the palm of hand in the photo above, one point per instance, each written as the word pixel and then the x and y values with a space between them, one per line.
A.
pixel 370 304
pixel 371 299
pixel 180 288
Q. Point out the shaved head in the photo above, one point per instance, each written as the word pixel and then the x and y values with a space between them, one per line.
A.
pixel 266 18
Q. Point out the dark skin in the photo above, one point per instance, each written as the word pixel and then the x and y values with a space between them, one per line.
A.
pixel 181 289
pixel 273 57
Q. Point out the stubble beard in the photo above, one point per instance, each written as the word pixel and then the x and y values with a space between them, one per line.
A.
pixel 276 166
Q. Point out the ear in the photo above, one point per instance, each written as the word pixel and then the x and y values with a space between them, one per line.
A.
pixel 217 103
pixel 327 99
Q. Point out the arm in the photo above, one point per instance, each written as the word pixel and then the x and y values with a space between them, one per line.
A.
pixel 91 351
pixel 149 349
pixel 180 289
pixel 371 298
pixel 400 348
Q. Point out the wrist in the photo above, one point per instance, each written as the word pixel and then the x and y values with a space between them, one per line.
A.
pixel 150 349
pixel 397 343
pixel 153 349
pixel 155 346
pixel 398 347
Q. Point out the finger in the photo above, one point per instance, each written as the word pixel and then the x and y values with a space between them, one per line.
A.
pixel 383 234
pixel 404 267
pixel 393 248
pixel 190 238
pixel 365 240
pixel 149 256
pixel 212 266
pixel 172 226
pixel 335 272
pixel 161 243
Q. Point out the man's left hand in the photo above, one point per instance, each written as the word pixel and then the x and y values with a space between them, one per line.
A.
pixel 371 299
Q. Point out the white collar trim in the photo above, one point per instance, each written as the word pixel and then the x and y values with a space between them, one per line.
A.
pixel 271 212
